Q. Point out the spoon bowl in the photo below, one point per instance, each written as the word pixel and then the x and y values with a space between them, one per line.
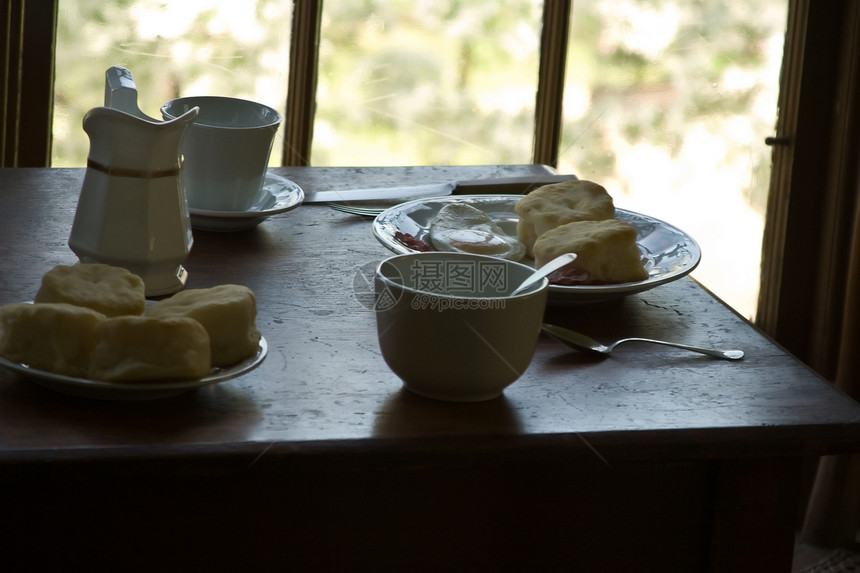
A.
pixel 587 344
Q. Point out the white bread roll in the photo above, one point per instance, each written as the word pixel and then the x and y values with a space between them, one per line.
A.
pixel 55 337
pixel 140 348
pixel 554 205
pixel 227 312
pixel 112 291
pixel 606 249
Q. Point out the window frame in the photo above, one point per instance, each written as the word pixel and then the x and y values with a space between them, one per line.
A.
pixel 28 33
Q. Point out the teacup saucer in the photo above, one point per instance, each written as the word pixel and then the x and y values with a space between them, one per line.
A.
pixel 278 195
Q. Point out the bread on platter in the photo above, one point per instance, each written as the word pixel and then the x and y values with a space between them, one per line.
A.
pixel 554 205
pixel 606 250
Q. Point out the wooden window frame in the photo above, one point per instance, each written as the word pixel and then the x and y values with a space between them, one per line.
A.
pixel 813 180
pixel 28 32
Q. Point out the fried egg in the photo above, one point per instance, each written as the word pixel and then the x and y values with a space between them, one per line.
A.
pixel 461 227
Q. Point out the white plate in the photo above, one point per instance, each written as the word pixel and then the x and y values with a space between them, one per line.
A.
pixel 133 390
pixel 278 195
pixel 667 252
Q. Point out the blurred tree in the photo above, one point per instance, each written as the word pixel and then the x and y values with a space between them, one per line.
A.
pixel 650 71
pixel 427 82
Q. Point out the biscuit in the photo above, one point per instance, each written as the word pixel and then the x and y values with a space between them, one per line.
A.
pixel 55 337
pixel 140 348
pixel 112 291
pixel 554 205
pixel 605 249
pixel 227 312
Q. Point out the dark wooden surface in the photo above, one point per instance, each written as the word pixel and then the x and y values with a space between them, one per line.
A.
pixel 319 459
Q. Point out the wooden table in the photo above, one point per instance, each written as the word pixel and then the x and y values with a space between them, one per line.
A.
pixel 653 459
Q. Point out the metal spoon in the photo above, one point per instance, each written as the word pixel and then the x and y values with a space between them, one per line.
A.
pixel 586 344
pixel 548 268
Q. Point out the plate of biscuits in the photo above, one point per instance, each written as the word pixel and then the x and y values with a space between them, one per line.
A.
pixel 619 252
pixel 145 390
pixel 91 332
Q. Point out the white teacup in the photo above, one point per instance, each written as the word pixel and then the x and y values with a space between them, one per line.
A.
pixel 226 150
pixel 448 327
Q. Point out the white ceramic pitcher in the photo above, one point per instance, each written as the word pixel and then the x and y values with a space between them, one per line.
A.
pixel 132 210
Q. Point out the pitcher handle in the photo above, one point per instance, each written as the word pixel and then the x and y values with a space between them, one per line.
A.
pixel 121 92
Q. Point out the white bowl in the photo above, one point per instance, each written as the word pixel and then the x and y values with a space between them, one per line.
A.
pixel 448 327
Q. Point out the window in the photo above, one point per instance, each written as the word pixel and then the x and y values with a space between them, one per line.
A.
pixel 665 102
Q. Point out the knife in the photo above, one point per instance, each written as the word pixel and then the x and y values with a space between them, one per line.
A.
pixel 500 186
pixel 405 193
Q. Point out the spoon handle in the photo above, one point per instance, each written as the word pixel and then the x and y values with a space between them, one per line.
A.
pixel 545 270
pixel 723 354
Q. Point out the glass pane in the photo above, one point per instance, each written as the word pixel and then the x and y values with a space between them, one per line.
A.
pixel 667 104
pixel 172 48
pixel 406 82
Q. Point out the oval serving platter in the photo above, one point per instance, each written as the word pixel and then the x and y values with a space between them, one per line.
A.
pixel 668 253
